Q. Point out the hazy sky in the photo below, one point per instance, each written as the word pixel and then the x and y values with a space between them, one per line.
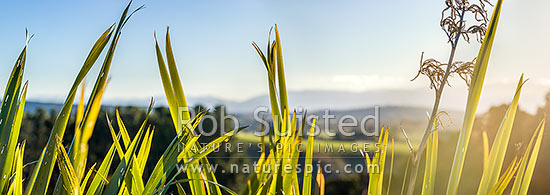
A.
pixel 327 45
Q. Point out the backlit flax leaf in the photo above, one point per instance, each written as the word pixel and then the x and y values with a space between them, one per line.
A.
pixel 210 147
pixel 474 93
pixel 84 182
pixel 529 159
pixel 100 177
pixel 45 167
pixel 498 151
pixel 485 149
pixel 8 108
pixel 503 181
pixel 169 159
pixel 308 172
pixel 428 184
pixel 532 161
pixel 391 167
pixel 70 180
pixel 320 181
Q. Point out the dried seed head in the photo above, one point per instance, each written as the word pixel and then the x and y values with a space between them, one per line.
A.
pixel 432 69
pixel 435 71
pixel 465 70
pixel 454 24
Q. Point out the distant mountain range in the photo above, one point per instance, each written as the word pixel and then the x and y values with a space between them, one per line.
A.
pixel 33 106
pixel 316 100
pixel 334 100
pixel 453 99
pixel 311 100
pixel 409 117
pixel 396 106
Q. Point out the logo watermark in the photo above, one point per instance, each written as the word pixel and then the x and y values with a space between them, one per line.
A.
pixel 345 125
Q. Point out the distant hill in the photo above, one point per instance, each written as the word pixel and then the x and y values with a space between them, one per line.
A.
pixel 454 98
pixel 341 100
pixel 33 106
pixel 310 100
pixel 389 115
pixel 398 108
pixel 413 119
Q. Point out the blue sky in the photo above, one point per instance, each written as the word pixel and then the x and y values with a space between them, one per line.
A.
pixel 353 45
